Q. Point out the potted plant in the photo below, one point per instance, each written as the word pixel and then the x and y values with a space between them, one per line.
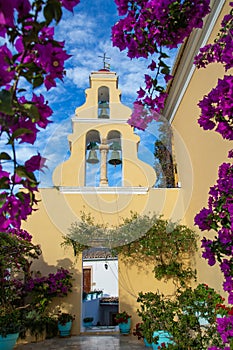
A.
pixel 141 331
pixel 10 326
pixel 186 321
pixel 123 319
pixel 65 323
pixel 157 313
pixel 87 321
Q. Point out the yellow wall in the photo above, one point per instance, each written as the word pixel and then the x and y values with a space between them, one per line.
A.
pixel 49 237
pixel 56 213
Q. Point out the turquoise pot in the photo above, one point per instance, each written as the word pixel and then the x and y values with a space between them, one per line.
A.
pixel 64 330
pixel 8 342
pixel 88 324
pixel 147 345
pixel 164 337
pixel 125 327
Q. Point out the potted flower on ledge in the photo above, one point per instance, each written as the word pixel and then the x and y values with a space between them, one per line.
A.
pixel 10 326
pixel 123 319
pixel 88 321
pixel 65 323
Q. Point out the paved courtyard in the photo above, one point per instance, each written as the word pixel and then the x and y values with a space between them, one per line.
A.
pixel 87 342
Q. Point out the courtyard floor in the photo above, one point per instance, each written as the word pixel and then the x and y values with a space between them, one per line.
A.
pixel 87 342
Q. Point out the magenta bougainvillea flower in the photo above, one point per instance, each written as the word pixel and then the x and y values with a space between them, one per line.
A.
pixel 69 4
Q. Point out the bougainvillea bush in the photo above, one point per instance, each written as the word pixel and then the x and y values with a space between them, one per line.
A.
pixel 30 57
pixel 150 29
pixel 216 114
pixel 22 291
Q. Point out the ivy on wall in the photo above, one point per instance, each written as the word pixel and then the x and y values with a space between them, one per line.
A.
pixel 169 246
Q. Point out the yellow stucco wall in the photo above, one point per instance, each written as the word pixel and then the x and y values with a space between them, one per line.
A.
pixel 49 237
pixel 56 212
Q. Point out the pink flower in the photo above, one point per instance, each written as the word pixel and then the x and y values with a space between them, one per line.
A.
pixel 70 4
pixel 51 59
pixel 6 72
pixel 35 163
pixel 44 110
pixel 7 12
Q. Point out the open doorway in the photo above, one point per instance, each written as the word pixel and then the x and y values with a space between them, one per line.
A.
pixel 100 290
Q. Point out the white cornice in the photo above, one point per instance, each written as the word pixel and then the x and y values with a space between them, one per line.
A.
pixel 185 67
pixel 99 121
pixel 103 190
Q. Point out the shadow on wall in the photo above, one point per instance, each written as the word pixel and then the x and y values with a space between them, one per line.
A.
pixel 69 303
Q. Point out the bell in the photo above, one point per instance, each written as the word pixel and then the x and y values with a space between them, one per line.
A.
pixel 104 113
pixel 115 158
pixel 103 110
pixel 92 157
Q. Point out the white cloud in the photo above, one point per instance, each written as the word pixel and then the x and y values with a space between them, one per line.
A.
pixel 78 75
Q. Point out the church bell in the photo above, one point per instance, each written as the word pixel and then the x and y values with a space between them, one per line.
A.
pixel 104 110
pixel 92 156
pixel 115 158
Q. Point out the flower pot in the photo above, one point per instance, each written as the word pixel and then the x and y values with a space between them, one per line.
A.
pixel 147 344
pixel 8 342
pixel 125 327
pixel 64 330
pixel 88 324
pixel 164 337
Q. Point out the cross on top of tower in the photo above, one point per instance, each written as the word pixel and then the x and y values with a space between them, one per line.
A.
pixel 106 64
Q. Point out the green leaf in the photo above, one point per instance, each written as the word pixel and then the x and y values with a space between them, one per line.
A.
pixel 4 183
pixel 22 172
pixel 165 70
pixel 20 195
pixel 38 81
pixel 5 156
pixel 163 64
pixel 159 89
pixel 53 11
pixel 164 55
pixel 17 133
pixel 32 111
pixel 6 102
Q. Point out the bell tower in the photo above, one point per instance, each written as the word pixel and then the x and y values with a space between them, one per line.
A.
pixel 102 144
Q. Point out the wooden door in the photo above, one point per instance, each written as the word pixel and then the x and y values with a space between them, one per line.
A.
pixel 87 280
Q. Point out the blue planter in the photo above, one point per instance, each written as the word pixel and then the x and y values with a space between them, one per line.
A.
pixel 164 337
pixel 8 342
pixel 125 327
pixel 147 345
pixel 88 324
pixel 64 330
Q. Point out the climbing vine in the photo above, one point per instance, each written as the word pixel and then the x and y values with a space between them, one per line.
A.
pixel 168 245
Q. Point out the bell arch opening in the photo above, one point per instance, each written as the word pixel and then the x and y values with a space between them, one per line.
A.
pixel 103 103
pixel 114 162
pixel 92 156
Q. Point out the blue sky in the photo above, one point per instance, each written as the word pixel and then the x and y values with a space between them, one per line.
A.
pixel 87 34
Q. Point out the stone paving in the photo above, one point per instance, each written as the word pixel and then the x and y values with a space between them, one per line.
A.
pixel 86 342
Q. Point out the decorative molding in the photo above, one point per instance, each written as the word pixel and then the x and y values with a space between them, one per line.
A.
pixel 103 190
pixel 99 121
pixel 184 67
